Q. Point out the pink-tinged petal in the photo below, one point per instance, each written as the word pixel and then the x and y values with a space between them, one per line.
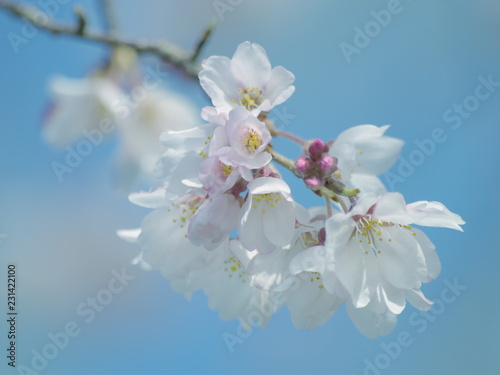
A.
pixel 391 207
pixel 214 115
pixel 266 185
pixel 258 161
pixel 245 173
pixel 279 87
pixel 279 222
pixel 434 214
pixel 371 324
pixel 400 260
pixel 433 265
pixel 149 199
pixel 418 300
pixel 219 140
pixel 215 80
pixel 365 202
pixel 251 65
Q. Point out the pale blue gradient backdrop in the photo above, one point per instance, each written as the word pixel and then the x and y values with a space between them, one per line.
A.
pixel 61 235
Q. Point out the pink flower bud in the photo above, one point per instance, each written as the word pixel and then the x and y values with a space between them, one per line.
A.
pixel 303 164
pixel 327 164
pixel 313 181
pixel 317 148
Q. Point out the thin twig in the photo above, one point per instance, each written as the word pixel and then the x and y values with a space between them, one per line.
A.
pixel 167 51
pixel 290 136
pixel 203 40
pixel 283 160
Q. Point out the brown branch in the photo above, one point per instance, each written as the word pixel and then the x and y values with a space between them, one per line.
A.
pixel 170 53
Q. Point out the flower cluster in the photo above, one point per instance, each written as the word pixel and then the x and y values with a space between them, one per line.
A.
pixel 225 220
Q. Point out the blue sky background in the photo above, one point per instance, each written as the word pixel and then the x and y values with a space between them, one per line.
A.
pixel 61 235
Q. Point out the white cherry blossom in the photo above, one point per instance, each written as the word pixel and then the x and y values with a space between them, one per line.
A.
pixel 241 142
pixel 246 80
pixel 269 215
pixel 378 257
pixel 363 153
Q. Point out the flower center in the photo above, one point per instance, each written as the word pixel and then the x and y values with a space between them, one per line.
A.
pixel 252 140
pixel 185 208
pixel 250 97
pixel 234 268
pixel 266 201
pixel 369 232
pixel 226 169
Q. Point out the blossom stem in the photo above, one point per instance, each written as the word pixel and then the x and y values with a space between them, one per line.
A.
pixel 290 136
pixel 329 211
pixel 283 160
pixel 290 165
pixel 324 191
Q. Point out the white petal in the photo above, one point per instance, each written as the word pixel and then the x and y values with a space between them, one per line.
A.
pixel 357 272
pixel 279 88
pixel 129 235
pixel 434 214
pixel 392 207
pixel 251 65
pixel 279 222
pixel 418 300
pixel 400 260
pixel 149 199
pixel 371 324
pixel 217 81
pixel 431 258
pixel 266 185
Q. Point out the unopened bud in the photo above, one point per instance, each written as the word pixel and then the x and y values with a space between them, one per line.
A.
pixel 313 181
pixel 327 164
pixel 317 148
pixel 303 164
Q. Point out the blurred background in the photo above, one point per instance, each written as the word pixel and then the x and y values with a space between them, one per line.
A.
pixel 409 73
